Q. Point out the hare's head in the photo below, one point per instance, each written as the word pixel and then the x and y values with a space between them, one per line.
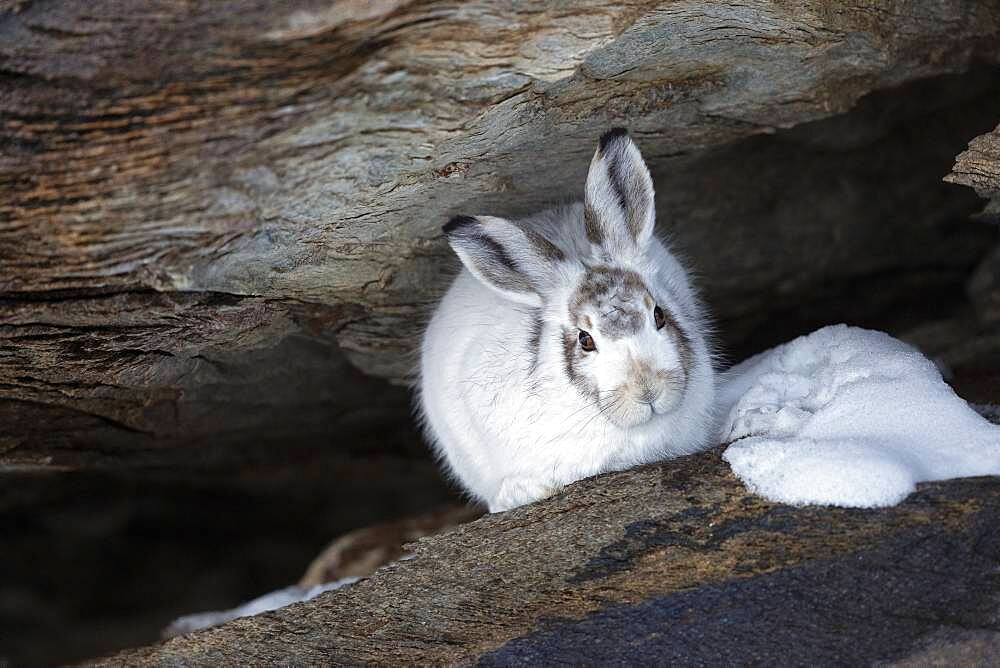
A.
pixel 599 315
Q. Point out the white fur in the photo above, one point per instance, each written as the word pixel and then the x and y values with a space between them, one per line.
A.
pixel 513 430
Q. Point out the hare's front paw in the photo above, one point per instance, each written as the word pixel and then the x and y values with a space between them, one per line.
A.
pixel 516 492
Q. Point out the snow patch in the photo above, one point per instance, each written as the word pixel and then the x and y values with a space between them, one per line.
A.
pixel 266 603
pixel 849 417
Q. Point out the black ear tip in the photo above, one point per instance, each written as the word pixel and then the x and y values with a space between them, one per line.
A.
pixel 611 135
pixel 457 223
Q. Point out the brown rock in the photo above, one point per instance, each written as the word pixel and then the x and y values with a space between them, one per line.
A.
pixel 979 167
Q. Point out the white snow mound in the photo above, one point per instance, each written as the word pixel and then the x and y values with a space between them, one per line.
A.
pixel 849 417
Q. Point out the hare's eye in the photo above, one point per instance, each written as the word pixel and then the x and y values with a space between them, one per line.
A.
pixel 587 342
pixel 659 318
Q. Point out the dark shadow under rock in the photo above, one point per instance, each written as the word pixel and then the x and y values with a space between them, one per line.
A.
pixel 105 560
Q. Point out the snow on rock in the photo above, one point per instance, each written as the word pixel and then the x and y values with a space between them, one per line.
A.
pixel 849 417
pixel 266 603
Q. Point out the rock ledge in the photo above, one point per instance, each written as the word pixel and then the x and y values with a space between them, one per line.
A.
pixel 670 562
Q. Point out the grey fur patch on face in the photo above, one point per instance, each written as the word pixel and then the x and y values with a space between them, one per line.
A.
pixel 617 303
pixel 534 339
pixel 571 356
pixel 618 298
pixel 684 345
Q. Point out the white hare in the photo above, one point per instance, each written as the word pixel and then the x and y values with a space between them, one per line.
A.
pixel 571 344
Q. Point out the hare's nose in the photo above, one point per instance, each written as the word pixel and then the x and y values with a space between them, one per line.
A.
pixel 649 394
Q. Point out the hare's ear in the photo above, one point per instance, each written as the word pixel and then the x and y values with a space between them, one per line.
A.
pixel 618 207
pixel 515 262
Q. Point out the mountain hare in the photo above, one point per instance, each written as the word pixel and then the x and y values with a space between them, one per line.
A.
pixel 571 344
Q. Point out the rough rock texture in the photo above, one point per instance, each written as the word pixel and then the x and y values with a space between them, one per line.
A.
pixel 669 563
pixel 93 379
pixel 219 236
pixel 979 167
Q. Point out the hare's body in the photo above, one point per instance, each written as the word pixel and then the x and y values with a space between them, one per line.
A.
pixel 511 403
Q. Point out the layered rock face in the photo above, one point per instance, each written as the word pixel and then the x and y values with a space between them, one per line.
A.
pixel 219 238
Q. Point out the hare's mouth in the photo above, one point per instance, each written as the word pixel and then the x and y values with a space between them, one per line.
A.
pixel 628 412
pixel 625 409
